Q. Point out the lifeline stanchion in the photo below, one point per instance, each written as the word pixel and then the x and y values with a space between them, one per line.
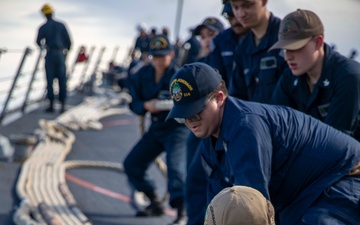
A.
pixel 3 112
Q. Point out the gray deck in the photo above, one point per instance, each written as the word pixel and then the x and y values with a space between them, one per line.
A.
pixel 104 196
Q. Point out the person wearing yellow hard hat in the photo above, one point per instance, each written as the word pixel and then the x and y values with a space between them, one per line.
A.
pixel 54 37
pixel 47 9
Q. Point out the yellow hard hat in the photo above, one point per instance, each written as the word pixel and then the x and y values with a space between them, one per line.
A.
pixel 47 9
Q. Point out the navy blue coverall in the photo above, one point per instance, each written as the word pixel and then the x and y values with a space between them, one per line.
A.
pixel 222 54
pixel 57 39
pixel 335 99
pixel 161 136
pixel 192 45
pixel 142 43
pixel 257 71
pixel 254 78
pixel 294 160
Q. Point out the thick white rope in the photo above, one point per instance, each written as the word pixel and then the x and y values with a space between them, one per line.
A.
pixel 42 189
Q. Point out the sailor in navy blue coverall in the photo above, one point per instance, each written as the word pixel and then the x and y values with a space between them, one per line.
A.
pixel 207 31
pixel 331 91
pixel 221 58
pixel 192 48
pixel 256 71
pixel 147 87
pixel 54 36
pixel 309 170
pixel 224 45
pixel 335 99
pixel 142 41
pixel 292 159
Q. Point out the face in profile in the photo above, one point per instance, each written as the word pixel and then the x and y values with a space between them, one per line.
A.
pixel 206 36
pixel 303 60
pixel 235 24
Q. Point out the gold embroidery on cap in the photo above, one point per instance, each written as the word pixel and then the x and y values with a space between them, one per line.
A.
pixel 175 90
pixel 185 83
pixel 176 93
pixel 210 21
pixel 158 43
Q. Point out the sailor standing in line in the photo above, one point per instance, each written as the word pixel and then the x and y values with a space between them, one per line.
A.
pixel 256 70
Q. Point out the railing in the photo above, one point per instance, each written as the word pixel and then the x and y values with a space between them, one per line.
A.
pixel 28 87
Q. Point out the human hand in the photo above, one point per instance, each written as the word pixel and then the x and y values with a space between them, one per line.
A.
pixel 151 106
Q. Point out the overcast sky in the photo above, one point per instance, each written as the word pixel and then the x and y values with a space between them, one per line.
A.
pixel 112 22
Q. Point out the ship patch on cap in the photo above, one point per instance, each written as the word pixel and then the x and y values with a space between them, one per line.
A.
pixel 176 91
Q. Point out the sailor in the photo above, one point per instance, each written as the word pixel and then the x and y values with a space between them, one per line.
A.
pixel 221 57
pixel 242 206
pixel 148 87
pixel 142 40
pixel 307 169
pixel 207 31
pixel 319 81
pixel 191 48
pixel 256 70
pixel 224 45
pixel 54 37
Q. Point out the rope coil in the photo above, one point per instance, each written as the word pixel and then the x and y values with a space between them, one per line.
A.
pixel 41 186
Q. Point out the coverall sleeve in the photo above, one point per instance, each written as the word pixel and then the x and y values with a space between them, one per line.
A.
pixel 281 95
pixel 40 36
pixel 344 108
pixel 137 104
pixel 66 38
pixel 216 60
pixel 249 152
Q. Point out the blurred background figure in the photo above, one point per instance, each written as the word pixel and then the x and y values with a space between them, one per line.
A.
pixel 142 41
pixel 82 57
pixel 115 76
pixel 207 31
pixel 54 37
pixel 190 49
pixel 165 31
pixel 152 33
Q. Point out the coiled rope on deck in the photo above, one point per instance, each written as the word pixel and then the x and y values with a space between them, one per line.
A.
pixel 41 187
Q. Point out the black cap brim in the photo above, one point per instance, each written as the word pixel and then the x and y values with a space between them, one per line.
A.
pixel 186 110
pixel 160 53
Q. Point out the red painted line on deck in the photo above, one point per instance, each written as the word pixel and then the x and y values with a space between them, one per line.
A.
pixel 98 189
pixel 119 122
pixel 107 192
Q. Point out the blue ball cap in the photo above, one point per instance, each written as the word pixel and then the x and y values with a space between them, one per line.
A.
pixel 211 23
pixel 189 88
pixel 160 46
pixel 227 9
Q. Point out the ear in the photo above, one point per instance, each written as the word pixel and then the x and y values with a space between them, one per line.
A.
pixel 319 41
pixel 220 98
pixel 264 2
pixel 172 54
